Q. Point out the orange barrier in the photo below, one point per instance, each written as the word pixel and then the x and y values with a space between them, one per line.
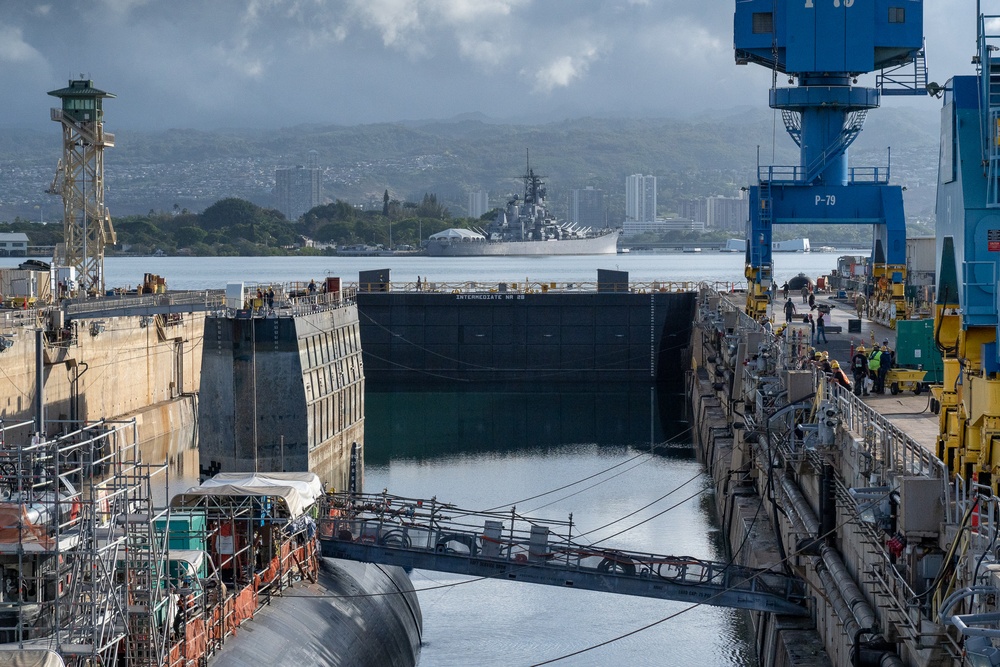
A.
pixel 195 640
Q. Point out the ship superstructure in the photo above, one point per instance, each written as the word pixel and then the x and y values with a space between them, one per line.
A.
pixel 525 227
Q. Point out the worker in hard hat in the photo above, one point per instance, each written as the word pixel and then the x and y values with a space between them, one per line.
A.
pixel 838 375
pixel 824 363
pixel 885 365
pixel 874 369
pixel 859 369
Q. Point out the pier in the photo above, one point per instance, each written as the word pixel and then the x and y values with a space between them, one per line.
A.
pixel 846 492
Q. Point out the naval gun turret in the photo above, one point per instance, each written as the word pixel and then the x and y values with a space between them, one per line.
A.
pixel 822 47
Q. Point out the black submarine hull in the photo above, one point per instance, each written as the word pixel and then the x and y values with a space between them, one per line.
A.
pixel 357 614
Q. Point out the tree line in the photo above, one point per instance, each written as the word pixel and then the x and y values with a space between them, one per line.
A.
pixel 237 227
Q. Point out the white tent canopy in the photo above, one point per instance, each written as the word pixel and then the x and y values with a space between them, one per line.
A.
pixel 299 490
pixel 306 483
pixel 195 496
pixel 455 234
pixel 13 657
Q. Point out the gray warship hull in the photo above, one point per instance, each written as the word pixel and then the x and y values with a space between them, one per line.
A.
pixel 605 244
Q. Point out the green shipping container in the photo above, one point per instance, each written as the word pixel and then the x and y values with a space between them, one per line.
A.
pixel 187 530
pixel 915 348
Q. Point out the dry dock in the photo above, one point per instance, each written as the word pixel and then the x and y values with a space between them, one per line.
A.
pixel 843 491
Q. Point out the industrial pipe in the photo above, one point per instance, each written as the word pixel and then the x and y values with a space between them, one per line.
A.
pixel 862 612
pixel 964 621
pixel 949 602
pixel 39 382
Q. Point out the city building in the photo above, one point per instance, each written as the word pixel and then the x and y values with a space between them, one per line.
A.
pixel 640 198
pixel 299 189
pixel 479 203
pixel 717 213
pixel 586 208
pixel 13 244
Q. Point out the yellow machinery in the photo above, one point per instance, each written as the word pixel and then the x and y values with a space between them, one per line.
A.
pixel 888 301
pixel 758 291
pixel 968 247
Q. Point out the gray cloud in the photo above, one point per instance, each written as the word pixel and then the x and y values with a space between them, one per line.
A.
pixel 270 63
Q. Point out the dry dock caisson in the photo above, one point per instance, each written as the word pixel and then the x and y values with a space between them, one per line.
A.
pixel 812 480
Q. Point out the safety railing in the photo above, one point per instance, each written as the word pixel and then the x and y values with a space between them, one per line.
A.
pixel 301 304
pixel 884 441
pixel 201 299
pixel 531 286
pixel 796 175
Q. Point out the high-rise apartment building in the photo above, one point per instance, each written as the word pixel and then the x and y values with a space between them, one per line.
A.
pixel 479 203
pixel 586 208
pixel 730 213
pixel 640 198
pixel 719 213
pixel 298 189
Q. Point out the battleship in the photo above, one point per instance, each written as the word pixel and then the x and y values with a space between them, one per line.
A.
pixel 525 227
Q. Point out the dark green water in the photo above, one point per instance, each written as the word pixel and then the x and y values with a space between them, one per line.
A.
pixel 483 448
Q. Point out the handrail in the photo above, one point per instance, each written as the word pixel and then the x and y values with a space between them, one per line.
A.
pixel 422 526
pixel 531 286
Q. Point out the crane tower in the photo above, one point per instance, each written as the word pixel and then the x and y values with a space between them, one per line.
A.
pixel 822 47
pixel 79 180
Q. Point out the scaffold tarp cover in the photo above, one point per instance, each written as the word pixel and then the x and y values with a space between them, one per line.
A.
pixel 197 496
pixel 307 484
pixel 16 527
pixel 30 658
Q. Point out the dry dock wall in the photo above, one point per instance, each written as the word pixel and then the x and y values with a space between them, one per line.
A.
pixel 100 368
pixel 781 641
pixel 783 493
pixel 286 392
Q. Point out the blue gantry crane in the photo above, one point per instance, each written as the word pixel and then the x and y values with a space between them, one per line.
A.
pixel 822 47
pixel 967 309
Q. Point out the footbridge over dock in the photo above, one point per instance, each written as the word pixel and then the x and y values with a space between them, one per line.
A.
pixel 429 535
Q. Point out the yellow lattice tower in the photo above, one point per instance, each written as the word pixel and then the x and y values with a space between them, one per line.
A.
pixel 79 180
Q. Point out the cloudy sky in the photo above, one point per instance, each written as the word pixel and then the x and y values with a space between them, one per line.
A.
pixel 277 63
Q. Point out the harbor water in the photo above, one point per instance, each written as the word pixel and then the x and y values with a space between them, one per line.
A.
pixel 618 459
pixel 598 454
pixel 194 273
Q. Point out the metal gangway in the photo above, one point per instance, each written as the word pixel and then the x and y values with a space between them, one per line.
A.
pixel 430 535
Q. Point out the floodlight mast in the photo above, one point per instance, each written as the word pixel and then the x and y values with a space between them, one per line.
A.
pixel 79 180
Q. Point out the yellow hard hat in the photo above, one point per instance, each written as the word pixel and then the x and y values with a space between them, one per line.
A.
pixel 861 348
pixel 818 355
pixel 835 364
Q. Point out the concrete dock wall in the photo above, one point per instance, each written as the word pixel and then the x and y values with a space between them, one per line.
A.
pixel 283 393
pixel 746 521
pixel 794 459
pixel 102 368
